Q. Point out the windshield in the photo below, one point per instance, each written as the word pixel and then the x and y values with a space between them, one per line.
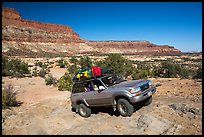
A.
pixel 112 80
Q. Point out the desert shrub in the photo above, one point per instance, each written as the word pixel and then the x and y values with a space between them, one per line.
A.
pixel 38 63
pixel 74 60
pixel 14 67
pixel 85 62
pixel 116 62
pixel 50 80
pixel 65 83
pixel 156 72
pixel 8 97
pixel 5 68
pixel 42 73
pixel 140 74
pixel 62 63
pixel 184 73
pixel 72 69
pixel 198 74
pixel 124 67
pixel 170 70
pixel 128 69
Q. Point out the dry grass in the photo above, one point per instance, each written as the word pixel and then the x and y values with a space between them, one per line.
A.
pixel 8 96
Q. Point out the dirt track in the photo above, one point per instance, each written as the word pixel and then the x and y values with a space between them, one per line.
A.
pixel 176 109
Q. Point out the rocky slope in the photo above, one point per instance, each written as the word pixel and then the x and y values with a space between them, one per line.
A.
pixel 32 38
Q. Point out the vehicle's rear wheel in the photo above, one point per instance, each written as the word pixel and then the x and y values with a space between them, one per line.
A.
pixel 124 107
pixel 148 101
pixel 84 111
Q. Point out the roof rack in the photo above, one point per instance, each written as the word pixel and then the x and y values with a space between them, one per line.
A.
pixel 95 77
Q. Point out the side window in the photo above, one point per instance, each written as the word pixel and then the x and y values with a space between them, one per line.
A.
pixel 88 86
pixel 78 87
pixel 108 81
pixel 98 85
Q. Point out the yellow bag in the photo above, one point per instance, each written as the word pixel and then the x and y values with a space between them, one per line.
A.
pixel 86 74
pixel 78 76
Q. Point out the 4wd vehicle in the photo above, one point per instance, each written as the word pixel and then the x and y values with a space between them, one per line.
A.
pixel 110 90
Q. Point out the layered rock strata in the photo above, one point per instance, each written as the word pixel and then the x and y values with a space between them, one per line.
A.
pixel 131 47
pixel 31 38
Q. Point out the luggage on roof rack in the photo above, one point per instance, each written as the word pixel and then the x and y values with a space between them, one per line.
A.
pixel 83 74
pixel 93 72
pixel 96 71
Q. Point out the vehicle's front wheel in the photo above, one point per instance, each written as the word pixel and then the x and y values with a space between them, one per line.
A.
pixel 84 111
pixel 124 107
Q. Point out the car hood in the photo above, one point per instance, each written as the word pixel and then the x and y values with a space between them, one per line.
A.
pixel 133 83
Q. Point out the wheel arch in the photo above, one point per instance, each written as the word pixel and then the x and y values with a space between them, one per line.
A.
pixel 116 98
pixel 79 102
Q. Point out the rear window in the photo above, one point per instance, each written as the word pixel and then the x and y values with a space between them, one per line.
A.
pixel 78 87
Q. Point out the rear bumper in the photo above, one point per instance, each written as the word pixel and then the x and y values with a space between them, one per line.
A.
pixel 148 93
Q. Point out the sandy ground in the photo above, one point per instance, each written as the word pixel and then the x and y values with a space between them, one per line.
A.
pixel 45 110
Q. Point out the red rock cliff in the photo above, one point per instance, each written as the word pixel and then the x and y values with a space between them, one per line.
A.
pixel 32 31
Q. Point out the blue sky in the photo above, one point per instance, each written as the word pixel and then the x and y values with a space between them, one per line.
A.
pixel 178 24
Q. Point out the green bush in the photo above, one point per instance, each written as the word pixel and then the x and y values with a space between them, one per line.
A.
pixel 62 63
pixel 198 73
pixel 65 83
pixel 170 70
pixel 140 74
pixel 85 62
pixel 117 63
pixel 8 97
pixel 128 69
pixel 38 63
pixel 72 69
pixel 14 67
pixel 74 60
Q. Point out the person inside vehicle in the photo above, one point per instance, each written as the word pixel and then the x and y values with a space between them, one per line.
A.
pixel 87 88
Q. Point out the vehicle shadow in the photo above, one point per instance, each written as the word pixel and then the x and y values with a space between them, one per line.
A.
pixel 138 106
pixel 109 110
pixel 96 110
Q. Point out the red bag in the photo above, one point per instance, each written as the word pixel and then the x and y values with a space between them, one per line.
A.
pixel 96 71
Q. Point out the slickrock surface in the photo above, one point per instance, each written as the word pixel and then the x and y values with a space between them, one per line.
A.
pixel 176 109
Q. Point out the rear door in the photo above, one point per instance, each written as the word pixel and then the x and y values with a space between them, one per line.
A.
pixel 88 92
pixel 80 94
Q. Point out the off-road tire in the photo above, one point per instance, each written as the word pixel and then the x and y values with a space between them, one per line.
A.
pixel 84 111
pixel 148 101
pixel 124 107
